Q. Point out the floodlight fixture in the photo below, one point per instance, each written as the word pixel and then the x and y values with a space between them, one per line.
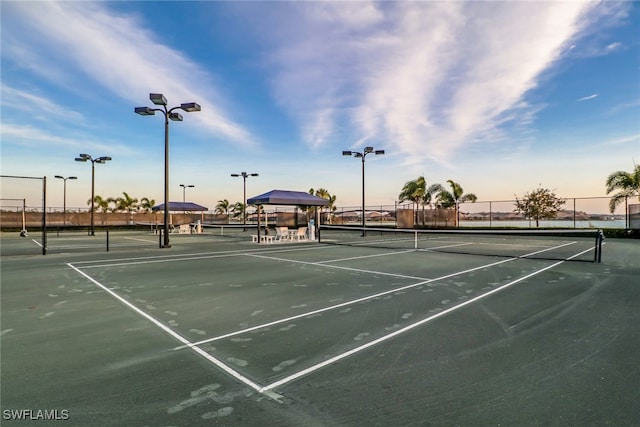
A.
pixel 363 155
pixel 176 117
pixel 64 197
pixel 190 107
pixel 169 114
pixel 244 176
pixel 101 160
pixel 184 188
pixel 145 111
pixel 158 98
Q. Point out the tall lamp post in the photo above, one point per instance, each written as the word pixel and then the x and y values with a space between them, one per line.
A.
pixel 363 155
pixel 101 160
pixel 244 176
pixel 64 197
pixel 169 114
pixel 184 187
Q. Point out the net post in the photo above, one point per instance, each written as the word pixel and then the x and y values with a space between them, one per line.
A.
pixel 44 215
pixel 160 238
pixel 107 240
pixel 599 239
pixel 415 240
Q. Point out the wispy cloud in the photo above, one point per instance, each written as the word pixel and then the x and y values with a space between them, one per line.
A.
pixel 623 140
pixel 39 107
pixel 44 139
pixel 67 42
pixel 424 78
pixel 585 98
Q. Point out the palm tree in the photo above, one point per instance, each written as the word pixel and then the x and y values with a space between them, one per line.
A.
pixel 238 210
pixel 147 204
pixel 417 192
pixel 321 192
pixel 126 203
pixel 453 198
pixel 627 182
pixel 99 203
pixel 114 201
pixel 223 207
pixel 412 192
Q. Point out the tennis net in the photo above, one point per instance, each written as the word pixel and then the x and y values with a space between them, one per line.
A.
pixel 574 245
pixel 231 231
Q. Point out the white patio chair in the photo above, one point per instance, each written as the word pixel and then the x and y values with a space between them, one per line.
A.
pixel 301 234
pixel 282 233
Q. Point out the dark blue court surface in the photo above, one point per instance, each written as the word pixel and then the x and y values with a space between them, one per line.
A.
pixel 217 330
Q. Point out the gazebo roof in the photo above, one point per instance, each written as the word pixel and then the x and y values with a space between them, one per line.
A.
pixel 180 206
pixel 287 198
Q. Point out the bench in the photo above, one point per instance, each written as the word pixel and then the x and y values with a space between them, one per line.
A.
pixel 263 238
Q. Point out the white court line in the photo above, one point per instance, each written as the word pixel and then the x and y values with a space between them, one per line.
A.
pixel 36 242
pixel 407 328
pixel 141 240
pixel 365 256
pixel 368 297
pixel 445 246
pixel 381 273
pixel 117 262
pixel 172 333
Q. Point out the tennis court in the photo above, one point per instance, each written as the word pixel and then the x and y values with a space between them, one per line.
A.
pixel 217 330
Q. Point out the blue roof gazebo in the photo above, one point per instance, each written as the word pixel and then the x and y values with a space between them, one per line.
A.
pixel 286 198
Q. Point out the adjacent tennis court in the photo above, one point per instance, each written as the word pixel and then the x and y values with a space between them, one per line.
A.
pixel 219 330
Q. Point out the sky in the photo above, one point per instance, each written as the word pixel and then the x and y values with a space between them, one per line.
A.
pixel 500 97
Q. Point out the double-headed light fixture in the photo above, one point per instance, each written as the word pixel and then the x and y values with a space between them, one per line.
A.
pixel 169 114
pixel 101 160
pixel 184 189
pixel 244 176
pixel 362 155
pixel 64 197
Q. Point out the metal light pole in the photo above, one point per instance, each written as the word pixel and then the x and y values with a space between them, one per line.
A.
pixel 184 187
pixel 159 99
pixel 244 176
pixel 64 197
pixel 363 154
pixel 102 160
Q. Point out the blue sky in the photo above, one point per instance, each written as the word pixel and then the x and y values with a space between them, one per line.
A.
pixel 501 97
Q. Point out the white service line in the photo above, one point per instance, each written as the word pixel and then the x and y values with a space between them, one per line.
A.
pixel 141 240
pixel 381 273
pixel 185 257
pixel 172 333
pixel 36 242
pixel 407 328
pixel 366 256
